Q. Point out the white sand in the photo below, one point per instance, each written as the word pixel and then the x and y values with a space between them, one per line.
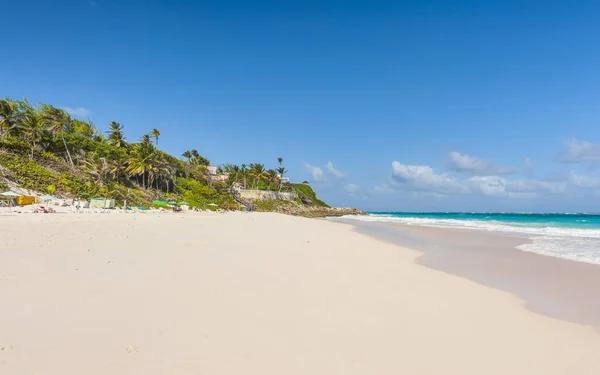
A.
pixel 254 294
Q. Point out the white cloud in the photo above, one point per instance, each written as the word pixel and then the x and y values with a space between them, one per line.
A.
pixel 424 181
pixel 583 181
pixel 352 188
pixel 491 186
pixel 335 172
pixel 580 152
pixel 494 186
pixel 316 173
pixel 465 163
pixel 423 178
pixel 79 111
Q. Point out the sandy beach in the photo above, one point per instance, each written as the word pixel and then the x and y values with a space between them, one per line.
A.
pixel 255 294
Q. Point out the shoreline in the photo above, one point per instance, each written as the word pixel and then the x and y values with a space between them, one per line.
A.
pixel 556 287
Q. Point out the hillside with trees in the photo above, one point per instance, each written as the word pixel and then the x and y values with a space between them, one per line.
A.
pixel 44 149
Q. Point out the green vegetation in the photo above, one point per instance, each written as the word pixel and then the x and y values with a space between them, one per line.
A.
pixel 43 149
pixel 276 206
pixel 305 191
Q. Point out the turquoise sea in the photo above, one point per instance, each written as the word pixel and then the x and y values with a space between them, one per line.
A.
pixel 571 236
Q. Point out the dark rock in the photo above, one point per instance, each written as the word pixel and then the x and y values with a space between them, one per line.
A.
pixel 306 201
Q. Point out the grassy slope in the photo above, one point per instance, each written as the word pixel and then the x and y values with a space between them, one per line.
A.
pixel 306 191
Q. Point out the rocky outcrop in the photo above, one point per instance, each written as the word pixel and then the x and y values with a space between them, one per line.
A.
pixel 306 201
pixel 324 211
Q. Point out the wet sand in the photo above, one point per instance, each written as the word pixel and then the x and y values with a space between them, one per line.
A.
pixel 558 288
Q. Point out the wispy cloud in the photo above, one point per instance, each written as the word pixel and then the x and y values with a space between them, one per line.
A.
pixel 580 152
pixel 316 173
pixel 473 165
pixel 584 181
pixel 92 3
pixel 335 172
pixel 79 111
pixel 424 180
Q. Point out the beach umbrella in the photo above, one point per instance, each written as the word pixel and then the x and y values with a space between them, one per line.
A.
pixel 183 203
pixel 11 194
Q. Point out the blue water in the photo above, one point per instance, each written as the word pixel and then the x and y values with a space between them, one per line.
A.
pixel 569 236
pixel 519 219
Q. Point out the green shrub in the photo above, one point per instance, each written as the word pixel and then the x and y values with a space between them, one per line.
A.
pixel 274 205
pixel 304 190
pixel 28 174
pixel 197 194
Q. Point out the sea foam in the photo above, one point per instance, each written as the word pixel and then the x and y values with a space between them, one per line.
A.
pixel 578 244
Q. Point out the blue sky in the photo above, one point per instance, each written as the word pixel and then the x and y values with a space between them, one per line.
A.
pixel 404 105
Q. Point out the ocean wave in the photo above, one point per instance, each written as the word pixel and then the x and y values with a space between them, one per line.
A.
pixel 578 244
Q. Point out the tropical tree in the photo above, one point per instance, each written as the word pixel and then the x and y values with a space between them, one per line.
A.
pixel 33 128
pixel 233 171
pixel 83 128
pixel 158 169
pixel 99 169
pixel 258 172
pixel 116 137
pixel 197 159
pixel 145 139
pixel 57 121
pixel 10 116
pixel 155 133
pixel 187 155
pixel 244 174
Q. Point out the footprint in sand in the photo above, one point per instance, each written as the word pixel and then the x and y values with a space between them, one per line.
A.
pixel 3 348
pixel 131 349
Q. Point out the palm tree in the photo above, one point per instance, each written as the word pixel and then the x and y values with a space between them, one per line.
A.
pixel 100 170
pixel 197 159
pixel 258 172
pixel 32 127
pixel 233 171
pixel 155 133
pixel 139 161
pixel 116 137
pixel 270 176
pixel 145 139
pixel 57 121
pixel 281 171
pixel 10 116
pixel 187 155
pixel 244 174
pixel 158 168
